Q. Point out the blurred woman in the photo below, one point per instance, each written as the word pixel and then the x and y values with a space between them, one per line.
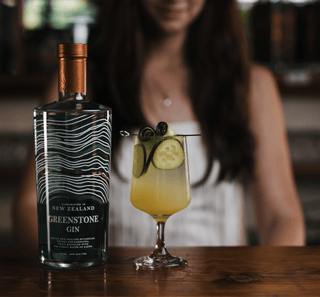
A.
pixel 186 62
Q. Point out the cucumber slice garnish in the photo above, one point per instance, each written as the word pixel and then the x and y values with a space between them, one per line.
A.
pixel 146 133
pixel 168 154
pixel 161 128
pixel 139 161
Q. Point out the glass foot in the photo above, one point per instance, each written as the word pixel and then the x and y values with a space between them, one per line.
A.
pixel 165 261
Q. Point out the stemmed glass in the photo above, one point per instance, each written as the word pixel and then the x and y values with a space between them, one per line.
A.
pixel 160 187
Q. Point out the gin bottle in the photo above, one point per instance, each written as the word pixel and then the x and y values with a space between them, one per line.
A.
pixel 72 156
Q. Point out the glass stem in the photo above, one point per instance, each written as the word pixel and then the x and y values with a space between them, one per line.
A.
pixel 160 248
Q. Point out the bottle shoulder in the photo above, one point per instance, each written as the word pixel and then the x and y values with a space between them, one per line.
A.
pixel 74 106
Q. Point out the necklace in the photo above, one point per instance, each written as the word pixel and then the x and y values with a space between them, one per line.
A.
pixel 166 101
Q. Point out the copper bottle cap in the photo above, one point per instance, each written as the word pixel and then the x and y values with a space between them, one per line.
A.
pixel 72 50
pixel 72 67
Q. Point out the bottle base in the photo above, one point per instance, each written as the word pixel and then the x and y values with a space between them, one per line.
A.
pixel 72 265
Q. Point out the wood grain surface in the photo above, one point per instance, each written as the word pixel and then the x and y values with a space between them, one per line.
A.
pixel 212 271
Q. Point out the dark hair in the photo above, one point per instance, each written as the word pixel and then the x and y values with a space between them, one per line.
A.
pixel 217 54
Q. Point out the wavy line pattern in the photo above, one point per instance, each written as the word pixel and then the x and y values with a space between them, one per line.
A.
pixel 72 155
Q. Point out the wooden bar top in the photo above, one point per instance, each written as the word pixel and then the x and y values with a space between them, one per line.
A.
pixel 212 271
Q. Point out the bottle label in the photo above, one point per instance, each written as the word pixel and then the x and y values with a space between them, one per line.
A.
pixel 73 227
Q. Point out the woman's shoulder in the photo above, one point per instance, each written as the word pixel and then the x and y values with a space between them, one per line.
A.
pixel 261 74
pixel 263 87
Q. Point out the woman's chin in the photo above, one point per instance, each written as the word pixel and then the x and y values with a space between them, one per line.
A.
pixel 172 27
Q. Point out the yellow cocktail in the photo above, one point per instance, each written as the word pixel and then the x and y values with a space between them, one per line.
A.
pixel 161 192
pixel 160 185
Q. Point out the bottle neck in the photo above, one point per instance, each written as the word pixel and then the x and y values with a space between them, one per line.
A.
pixel 72 78
pixel 66 96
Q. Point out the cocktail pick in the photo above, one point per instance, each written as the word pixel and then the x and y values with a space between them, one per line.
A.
pixel 124 133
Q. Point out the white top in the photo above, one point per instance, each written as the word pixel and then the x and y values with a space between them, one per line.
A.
pixel 215 216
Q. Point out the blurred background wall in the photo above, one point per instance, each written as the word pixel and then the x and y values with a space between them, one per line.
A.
pixel 283 36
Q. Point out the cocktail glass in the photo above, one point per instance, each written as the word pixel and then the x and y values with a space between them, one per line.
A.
pixel 160 187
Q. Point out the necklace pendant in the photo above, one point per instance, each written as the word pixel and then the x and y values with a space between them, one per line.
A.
pixel 167 102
